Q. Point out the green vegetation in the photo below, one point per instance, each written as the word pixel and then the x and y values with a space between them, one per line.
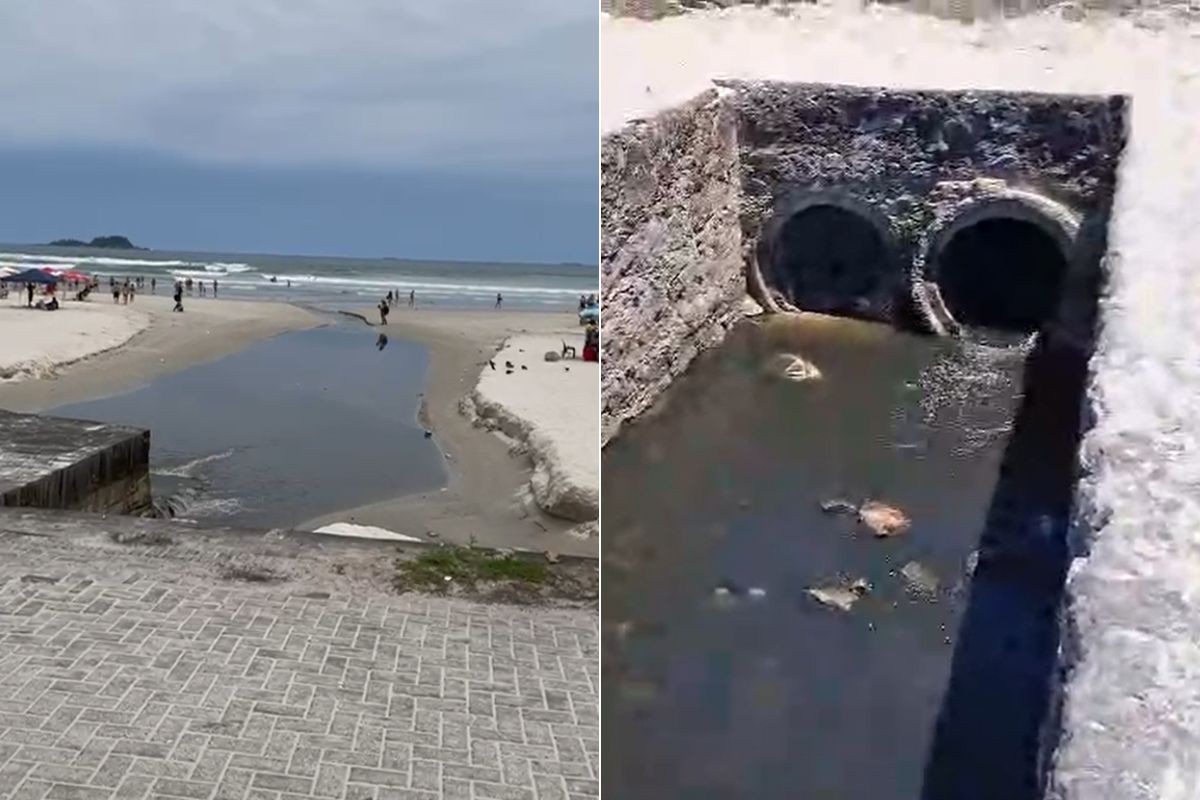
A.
pixel 466 568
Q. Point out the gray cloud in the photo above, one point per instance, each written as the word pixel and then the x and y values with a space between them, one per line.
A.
pixel 398 83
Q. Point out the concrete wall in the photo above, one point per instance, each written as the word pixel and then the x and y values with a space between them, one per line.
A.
pixel 914 163
pixel 695 200
pixel 671 254
pixel 963 10
pixel 47 462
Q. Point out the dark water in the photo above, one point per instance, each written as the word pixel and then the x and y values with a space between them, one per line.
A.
pixel 779 696
pixel 289 429
pixel 327 282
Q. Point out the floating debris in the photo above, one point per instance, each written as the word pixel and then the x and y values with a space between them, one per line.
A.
pixel 792 367
pixel 838 506
pixel 883 520
pixel 919 579
pixel 842 598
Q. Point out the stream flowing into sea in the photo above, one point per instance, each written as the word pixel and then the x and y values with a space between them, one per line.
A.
pixel 287 430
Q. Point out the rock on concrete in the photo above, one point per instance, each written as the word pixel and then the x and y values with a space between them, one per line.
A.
pixel 48 462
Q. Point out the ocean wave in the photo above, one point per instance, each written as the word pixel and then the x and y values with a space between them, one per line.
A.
pixel 404 284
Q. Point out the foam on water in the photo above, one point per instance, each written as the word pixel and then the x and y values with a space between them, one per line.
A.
pixel 188 469
pixel 1133 701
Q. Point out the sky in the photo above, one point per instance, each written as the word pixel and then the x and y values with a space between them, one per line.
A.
pixel 430 129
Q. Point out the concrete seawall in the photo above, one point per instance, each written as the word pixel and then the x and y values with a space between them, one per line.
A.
pixel 52 463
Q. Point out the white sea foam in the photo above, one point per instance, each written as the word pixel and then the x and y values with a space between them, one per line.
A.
pixel 188 469
pixel 1132 703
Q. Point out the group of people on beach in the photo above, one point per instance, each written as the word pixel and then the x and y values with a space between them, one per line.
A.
pixel 393 299
pixel 126 291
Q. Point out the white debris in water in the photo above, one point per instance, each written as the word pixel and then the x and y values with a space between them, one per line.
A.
pixel 840 597
pixel 364 532
pixel 791 367
pixel 1132 703
pixel 920 579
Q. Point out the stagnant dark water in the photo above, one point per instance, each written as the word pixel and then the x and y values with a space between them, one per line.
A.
pixel 289 429
pixel 767 693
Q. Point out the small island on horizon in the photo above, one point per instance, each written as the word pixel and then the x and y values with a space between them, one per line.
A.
pixel 107 242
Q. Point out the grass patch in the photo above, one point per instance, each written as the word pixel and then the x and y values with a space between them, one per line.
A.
pixel 466 569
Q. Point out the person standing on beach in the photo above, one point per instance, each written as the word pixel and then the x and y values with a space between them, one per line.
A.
pixel 412 298
pixel 499 299
pixel 214 287
pixel 178 297
pixel 153 286
pixel 29 289
pixel 383 312
pixel 132 291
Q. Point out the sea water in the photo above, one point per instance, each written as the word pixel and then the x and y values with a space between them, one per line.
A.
pixel 325 282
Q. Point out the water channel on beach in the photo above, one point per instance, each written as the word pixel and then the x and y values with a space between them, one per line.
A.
pixel 287 430
pixel 726 678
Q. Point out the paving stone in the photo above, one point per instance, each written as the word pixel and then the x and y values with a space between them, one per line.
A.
pixel 126 675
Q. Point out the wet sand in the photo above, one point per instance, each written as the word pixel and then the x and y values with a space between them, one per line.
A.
pixel 207 330
pixel 482 501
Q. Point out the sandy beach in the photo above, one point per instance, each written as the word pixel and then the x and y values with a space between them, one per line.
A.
pixel 487 499
pixel 545 455
pixel 96 348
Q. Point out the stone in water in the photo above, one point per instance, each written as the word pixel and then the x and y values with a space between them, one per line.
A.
pixel 884 520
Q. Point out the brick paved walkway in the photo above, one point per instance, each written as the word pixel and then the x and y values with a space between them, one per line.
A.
pixel 131 672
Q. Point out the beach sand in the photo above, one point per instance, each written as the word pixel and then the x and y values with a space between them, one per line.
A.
pixel 487 500
pixel 551 408
pixel 483 501
pixel 97 348
pixel 39 344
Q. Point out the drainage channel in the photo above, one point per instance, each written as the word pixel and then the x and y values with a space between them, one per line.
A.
pixel 730 668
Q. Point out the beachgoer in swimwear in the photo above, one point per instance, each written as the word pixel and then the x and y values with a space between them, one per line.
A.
pixel 383 312
pixel 499 299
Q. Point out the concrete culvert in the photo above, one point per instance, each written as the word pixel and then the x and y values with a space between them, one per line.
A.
pixel 830 259
pixel 1001 273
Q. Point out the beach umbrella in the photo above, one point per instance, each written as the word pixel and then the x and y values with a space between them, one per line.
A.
pixel 6 271
pixel 75 276
pixel 32 276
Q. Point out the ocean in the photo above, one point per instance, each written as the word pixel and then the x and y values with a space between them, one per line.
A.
pixel 327 282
